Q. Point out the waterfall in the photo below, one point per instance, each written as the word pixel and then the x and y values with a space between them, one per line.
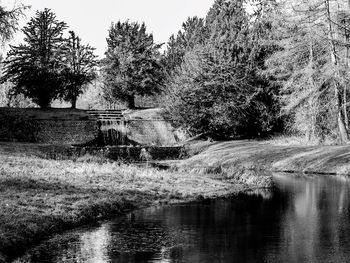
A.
pixel 112 132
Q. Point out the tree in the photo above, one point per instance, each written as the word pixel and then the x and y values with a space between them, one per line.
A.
pixel 8 26
pixel 219 88
pixel 297 66
pixel 79 64
pixel 132 63
pixel 312 64
pixel 9 22
pixel 210 94
pixel 194 32
pixel 35 67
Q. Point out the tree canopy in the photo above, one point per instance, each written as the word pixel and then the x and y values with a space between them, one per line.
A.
pixel 194 32
pixel 47 65
pixel 219 88
pixel 312 65
pixel 34 67
pixel 9 21
pixel 132 64
pixel 79 67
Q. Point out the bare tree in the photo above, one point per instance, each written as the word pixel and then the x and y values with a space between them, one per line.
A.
pixel 314 39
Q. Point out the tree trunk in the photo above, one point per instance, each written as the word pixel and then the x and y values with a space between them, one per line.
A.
pixel 74 102
pixel 343 134
pixel 44 102
pixel 347 58
pixel 312 107
pixel 131 101
pixel 345 108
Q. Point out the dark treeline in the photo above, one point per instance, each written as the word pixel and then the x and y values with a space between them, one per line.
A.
pixel 250 68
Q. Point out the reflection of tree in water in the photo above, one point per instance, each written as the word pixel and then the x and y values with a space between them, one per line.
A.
pixel 136 238
pixel 216 231
pixel 316 224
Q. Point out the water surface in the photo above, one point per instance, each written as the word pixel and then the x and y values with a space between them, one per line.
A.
pixel 304 219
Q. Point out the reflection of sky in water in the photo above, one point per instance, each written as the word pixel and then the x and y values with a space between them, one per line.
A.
pixel 306 219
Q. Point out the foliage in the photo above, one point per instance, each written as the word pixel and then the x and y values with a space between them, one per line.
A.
pixel 207 88
pixel 35 67
pixel 312 66
pixel 220 86
pixel 132 63
pixel 194 32
pixel 8 26
pixel 9 22
pixel 8 99
pixel 79 64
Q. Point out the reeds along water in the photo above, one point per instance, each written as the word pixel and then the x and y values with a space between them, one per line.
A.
pixel 112 132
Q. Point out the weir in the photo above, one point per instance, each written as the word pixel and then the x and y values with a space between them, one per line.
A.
pixel 112 127
pixel 125 137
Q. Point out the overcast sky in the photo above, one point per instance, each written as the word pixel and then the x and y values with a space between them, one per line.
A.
pixel 91 19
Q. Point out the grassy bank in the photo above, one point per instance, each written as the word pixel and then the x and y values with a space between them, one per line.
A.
pixel 231 157
pixel 39 197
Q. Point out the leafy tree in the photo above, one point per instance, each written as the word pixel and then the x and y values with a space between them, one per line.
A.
pixel 79 64
pixel 220 88
pixel 35 67
pixel 208 95
pixel 132 64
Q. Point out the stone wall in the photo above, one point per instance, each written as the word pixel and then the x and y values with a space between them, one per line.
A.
pixel 66 131
pixel 67 126
pixel 54 126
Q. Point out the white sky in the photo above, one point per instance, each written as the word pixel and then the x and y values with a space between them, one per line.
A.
pixel 90 19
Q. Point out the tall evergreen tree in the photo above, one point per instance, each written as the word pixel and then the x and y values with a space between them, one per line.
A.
pixel 35 67
pixel 194 32
pixel 79 64
pixel 132 64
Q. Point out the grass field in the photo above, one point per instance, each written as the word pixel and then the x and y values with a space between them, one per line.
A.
pixel 40 197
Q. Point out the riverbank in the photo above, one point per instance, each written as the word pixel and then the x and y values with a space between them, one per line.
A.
pixel 228 158
pixel 40 197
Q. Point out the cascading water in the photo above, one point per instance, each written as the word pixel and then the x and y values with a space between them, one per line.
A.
pixel 112 132
pixel 112 127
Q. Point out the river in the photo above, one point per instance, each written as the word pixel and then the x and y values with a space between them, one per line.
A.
pixel 303 219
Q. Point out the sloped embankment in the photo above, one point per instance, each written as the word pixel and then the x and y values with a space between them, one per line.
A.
pixel 150 127
pixel 252 161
